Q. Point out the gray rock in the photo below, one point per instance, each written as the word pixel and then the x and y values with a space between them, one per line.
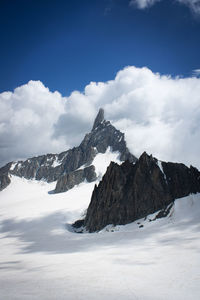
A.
pixel 105 135
pixel 4 176
pixel 99 119
pixel 69 180
pixel 129 192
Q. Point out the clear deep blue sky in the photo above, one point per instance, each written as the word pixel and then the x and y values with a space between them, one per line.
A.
pixel 67 44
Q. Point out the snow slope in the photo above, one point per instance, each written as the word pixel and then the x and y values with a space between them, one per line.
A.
pixel 42 258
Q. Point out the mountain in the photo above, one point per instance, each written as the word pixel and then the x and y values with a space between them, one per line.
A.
pixel 130 191
pixel 127 192
pixel 73 166
pixel 43 257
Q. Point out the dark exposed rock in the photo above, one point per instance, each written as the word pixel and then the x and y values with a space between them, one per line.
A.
pixel 51 166
pixel 163 212
pixel 78 224
pixel 62 167
pixel 4 176
pixel 105 135
pixel 181 180
pixel 69 180
pixel 99 119
pixel 129 192
pixel 4 181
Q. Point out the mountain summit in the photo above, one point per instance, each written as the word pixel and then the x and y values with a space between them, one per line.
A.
pixel 73 166
pixel 99 119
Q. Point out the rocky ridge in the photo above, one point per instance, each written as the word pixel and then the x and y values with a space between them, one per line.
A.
pixel 128 192
pixel 63 167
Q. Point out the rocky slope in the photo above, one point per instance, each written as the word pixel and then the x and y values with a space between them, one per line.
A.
pixel 130 191
pixel 4 176
pixel 63 167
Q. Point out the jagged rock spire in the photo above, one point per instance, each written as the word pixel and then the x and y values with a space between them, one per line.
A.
pixel 99 118
pixel 129 192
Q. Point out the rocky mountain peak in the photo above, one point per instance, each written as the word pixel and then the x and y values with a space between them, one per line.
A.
pixel 147 159
pixel 99 119
pixel 104 135
pixel 65 167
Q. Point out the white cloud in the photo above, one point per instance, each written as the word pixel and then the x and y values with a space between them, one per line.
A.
pixel 196 72
pixel 141 4
pixel 194 5
pixel 27 117
pixel 158 114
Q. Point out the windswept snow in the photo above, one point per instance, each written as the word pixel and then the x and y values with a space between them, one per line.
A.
pixel 13 166
pixel 102 161
pixel 42 258
pixel 161 168
pixel 56 162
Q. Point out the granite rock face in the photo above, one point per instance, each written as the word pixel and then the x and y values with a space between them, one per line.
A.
pixel 62 167
pixel 51 166
pixel 4 176
pixel 104 135
pixel 69 180
pixel 129 191
pixel 99 119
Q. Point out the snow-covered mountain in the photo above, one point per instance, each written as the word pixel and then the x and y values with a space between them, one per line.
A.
pixel 42 256
pixel 74 165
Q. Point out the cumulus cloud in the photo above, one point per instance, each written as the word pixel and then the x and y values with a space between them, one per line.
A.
pixel 27 117
pixel 194 5
pixel 159 114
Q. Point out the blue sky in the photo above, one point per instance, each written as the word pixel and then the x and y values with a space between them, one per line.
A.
pixel 67 44
pixel 113 54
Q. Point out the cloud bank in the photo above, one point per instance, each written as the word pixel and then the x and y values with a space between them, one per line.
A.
pixel 194 5
pixel 159 114
pixel 27 117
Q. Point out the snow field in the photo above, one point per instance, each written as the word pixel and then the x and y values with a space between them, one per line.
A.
pixel 41 258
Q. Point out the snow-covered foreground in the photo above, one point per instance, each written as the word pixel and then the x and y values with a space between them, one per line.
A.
pixel 40 258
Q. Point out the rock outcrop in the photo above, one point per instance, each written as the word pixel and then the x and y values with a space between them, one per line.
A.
pixel 69 180
pixel 129 191
pixel 63 167
pixel 104 135
pixel 99 119
pixel 4 176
